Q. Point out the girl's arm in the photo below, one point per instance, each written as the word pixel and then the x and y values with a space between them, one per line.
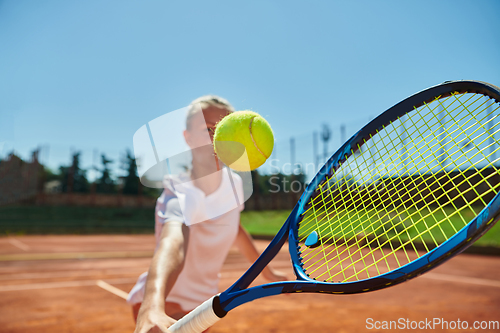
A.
pixel 166 265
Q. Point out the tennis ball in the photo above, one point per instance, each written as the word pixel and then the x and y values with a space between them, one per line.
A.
pixel 243 140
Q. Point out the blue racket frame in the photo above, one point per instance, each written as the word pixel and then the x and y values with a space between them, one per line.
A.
pixel 238 293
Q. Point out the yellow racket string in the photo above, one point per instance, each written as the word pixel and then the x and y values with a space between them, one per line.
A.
pixel 393 154
pixel 405 190
pixel 334 198
pixel 365 169
pixel 403 248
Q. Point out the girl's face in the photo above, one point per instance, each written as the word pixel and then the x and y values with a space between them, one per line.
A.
pixel 202 122
pixel 202 128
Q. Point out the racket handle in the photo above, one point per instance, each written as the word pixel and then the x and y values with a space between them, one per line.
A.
pixel 201 318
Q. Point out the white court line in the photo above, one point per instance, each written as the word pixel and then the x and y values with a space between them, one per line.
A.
pixel 75 255
pixel 225 274
pixel 228 271
pixel 131 240
pixel 71 274
pixel 459 279
pixel 65 284
pixel 19 244
pixel 244 267
pixel 462 279
pixel 106 286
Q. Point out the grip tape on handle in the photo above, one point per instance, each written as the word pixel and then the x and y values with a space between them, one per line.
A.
pixel 199 319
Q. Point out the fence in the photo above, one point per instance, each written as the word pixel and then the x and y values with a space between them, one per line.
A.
pixel 25 182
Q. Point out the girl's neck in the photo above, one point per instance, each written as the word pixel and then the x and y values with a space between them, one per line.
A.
pixel 206 176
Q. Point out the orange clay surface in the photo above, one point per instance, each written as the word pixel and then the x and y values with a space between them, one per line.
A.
pixel 61 294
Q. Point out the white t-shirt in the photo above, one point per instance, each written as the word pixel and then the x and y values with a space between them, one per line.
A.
pixel 213 223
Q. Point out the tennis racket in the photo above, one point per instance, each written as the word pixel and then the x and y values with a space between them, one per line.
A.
pixel 411 189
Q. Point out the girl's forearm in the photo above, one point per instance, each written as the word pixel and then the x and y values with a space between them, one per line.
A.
pixel 166 266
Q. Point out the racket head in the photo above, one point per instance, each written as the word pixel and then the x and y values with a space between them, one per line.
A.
pixel 365 240
pixel 362 211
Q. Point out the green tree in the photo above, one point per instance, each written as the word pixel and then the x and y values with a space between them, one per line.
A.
pixel 73 178
pixel 131 180
pixel 50 175
pixel 105 183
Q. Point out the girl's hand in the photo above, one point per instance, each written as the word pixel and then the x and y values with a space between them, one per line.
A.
pixel 153 321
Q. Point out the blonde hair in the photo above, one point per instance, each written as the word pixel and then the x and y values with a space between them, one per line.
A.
pixel 205 102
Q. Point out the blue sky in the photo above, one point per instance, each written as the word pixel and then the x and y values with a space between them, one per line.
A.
pixel 85 75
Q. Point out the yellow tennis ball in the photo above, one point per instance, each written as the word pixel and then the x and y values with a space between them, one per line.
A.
pixel 243 140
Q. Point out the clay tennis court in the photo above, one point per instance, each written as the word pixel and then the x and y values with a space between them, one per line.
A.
pixel 76 284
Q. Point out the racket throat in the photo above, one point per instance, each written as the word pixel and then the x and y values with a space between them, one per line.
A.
pixel 217 307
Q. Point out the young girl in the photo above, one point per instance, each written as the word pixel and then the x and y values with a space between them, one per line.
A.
pixel 190 246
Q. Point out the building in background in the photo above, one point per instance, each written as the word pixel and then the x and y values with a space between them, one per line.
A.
pixel 20 181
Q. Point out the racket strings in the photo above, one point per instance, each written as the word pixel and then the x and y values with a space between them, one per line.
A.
pixel 377 213
pixel 380 154
pixel 400 241
pixel 387 213
pixel 371 179
pixel 410 156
